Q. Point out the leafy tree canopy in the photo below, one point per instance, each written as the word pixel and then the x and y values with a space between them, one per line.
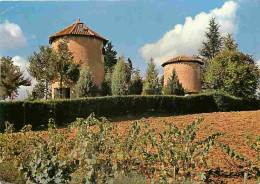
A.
pixel 11 78
pixel 233 72
pixel 42 69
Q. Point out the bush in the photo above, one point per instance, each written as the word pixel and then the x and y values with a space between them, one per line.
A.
pixel 63 112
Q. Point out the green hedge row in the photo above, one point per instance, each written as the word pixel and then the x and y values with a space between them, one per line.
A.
pixel 37 113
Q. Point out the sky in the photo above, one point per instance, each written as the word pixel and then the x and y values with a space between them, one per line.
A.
pixel 138 29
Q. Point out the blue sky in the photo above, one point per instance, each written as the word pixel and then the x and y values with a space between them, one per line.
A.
pixel 138 29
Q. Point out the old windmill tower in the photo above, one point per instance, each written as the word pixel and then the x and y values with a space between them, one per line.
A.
pixel 86 46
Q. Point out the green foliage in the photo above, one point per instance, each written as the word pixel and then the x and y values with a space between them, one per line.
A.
pixel 46 165
pixel 101 156
pixel 37 113
pixel 173 87
pixel 211 47
pixel 66 70
pixel 233 72
pixel 180 155
pixel 151 83
pixel 42 69
pixel 40 90
pixel 136 85
pixel 213 44
pixel 246 165
pixel 120 83
pixel 109 57
pixel 11 78
pixel 106 85
pixel 85 86
pixel 229 42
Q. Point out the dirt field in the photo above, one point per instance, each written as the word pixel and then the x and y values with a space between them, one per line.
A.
pixel 234 125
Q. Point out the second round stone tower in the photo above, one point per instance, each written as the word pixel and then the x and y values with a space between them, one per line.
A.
pixel 86 46
pixel 188 70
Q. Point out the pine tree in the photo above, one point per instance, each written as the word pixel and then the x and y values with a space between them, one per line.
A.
pixel 173 87
pixel 109 57
pixel 120 85
pixel 85 86
pixel 129 67
pixel 136 83
pixel 213 44
pixel 152 84
pixel 11 78
pixel 229 42
pixel 42 69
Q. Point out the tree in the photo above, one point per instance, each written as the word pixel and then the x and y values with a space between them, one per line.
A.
pixel 213 45
pixel 136 83
pixel 65 68
pixel 120 85
pixel 233 72
pixel 85 86
pixel 106 85
pixel 162 80
pixel 229 42
pixel 42 69
pixel 173 87
pixel 152 84
pixel 11 78
pixel 109 57
pixel 129 68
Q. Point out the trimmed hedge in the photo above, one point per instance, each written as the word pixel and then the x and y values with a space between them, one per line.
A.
pixel 37 113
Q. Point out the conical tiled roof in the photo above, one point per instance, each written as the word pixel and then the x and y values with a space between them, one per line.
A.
pixel 78 28
pixel 182 58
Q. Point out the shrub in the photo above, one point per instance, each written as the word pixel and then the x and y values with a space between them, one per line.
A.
pixel 37 113
pixel 85 86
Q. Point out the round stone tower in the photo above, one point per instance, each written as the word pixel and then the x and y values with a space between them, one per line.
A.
pixel 86 46
pixel 188 71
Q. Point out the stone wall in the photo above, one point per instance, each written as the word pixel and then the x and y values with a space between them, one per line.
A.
pixel 189 74
pixel 88 50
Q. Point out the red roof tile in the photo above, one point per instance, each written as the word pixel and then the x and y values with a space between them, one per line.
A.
pixel 78 28
pixel 182 58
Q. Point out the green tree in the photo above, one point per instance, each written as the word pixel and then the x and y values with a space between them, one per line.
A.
pixel 173 87
pixel 11 78
pixel 229 42
pixel 136 85
pixel 233 72
pixel 109 57
pixel 85 86
pixel 152 84
pixel 212 46
pixel 129 68
pixel 67 70
pixel 42 69
pixel 120 85
pixel 106 85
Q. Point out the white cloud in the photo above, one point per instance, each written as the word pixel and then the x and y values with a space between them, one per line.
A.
pixel 11 36
pixel 187 38
pixel 23 64
pixel 258 62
